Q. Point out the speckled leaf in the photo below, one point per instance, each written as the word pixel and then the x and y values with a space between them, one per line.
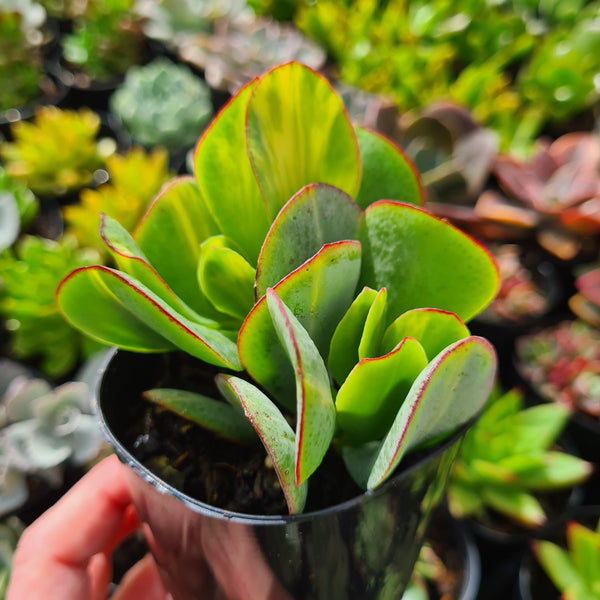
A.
pixel 120 311
pixel 374 327
pixel 371 396
pixel 387 173
pixel 212 414
pixel 435 329
pixel 275 433
pixel 423 261
pixel 318 214
pixel 315 411
pixel 226 278
pixel 170 234
pixel 447 393
pixel 226 179
pixel 131 260
pixel 343 351
pixel 298 132
pixel 318 307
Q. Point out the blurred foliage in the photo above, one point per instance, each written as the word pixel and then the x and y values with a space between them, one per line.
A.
pixel 517 64
pixel 20 57
pixel 106 39
pixel 135 179
pixel 18 208
pixel 29 276
pixel 58 152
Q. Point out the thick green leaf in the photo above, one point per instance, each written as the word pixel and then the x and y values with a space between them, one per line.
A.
pixel 212 414
pixel 434 329
pixel 275 433
pixel 519 506
pixel 423 261
pixel 375 323
pixel 371 396
pixel 343 351
pixel 226 179
pixel 170 235
pixel 488 473
pixel 226 278
pixel 318 214
pixel 447 393
pixel 557 563
pixel 297 133
pixel 387 173
pixel 315 411
pixel 131 260
pixel 118 310
pixel 464 500
pixel 318 307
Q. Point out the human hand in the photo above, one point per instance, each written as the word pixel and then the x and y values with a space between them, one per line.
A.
pixel 65 554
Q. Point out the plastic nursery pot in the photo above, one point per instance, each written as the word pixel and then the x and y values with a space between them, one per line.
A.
pixel 533 583
pixel 359 549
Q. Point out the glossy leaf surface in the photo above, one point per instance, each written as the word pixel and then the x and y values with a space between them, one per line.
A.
pixel 226 178
pixel 170 234
pixel 447 393
pixel 423 261
pixel 317 215
pixel 297 133
pixel 435 330
pixel 369 399
pixel 211 414
pixel 275 433
pixel 374 326
pixel 318 307
pixel 315 411
pixel 343 352
pixel 387 173
pixel 121 311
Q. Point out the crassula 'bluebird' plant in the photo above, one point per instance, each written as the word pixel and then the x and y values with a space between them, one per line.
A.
pixel 299 256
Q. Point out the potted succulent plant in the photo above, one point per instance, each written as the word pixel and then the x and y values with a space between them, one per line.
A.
pixel 331 322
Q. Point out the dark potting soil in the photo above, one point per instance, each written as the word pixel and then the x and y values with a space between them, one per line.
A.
pixel 212 469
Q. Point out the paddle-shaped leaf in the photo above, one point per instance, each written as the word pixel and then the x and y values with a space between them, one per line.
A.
pixel 315 411
pixel 318 307
pixel 435 329
pixel 447 393
pixel 343 351
pixel 423 261
pixel 297 133
pixel 226 179
pixel 371 396
pixel 120 311
pixel 131 260
pixel 170 234
pixel 211 414
pixel 226 278
pixel 387 174
pixel 275 433
pixel 318 214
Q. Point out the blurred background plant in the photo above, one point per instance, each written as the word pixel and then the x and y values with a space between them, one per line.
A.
pixel 18 208
pixel 29 275
pixel 11 530
pixel 508 458
pixel 106 40
pixel 21 38
pixel 134 180
pixel 58 152
pixel 164 104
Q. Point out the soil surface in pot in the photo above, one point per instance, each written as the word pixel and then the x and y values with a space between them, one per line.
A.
pixel 212 469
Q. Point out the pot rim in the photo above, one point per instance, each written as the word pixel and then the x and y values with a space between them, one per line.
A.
pixel 245 518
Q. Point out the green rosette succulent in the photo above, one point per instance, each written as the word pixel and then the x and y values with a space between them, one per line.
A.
pixel 299 254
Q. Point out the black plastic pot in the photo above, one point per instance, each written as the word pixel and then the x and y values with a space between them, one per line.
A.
pixel 360 549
